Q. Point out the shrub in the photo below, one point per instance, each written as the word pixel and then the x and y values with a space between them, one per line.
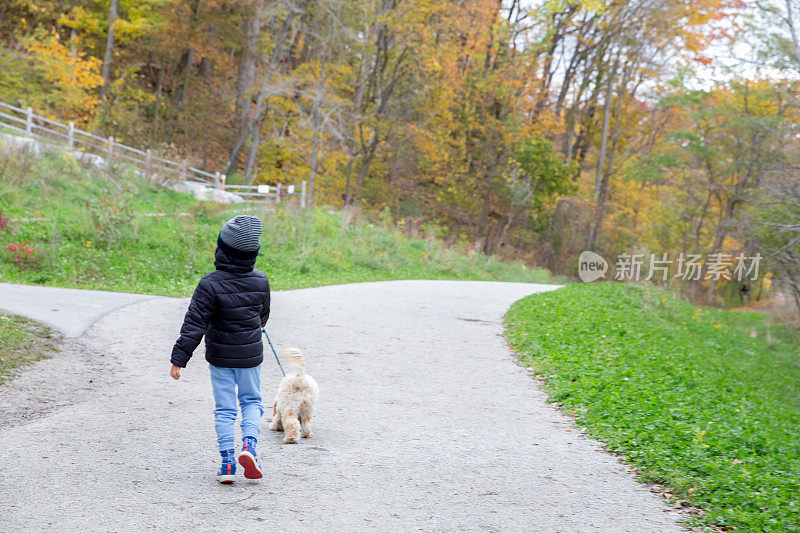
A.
pixel 23 255
pixel 110 217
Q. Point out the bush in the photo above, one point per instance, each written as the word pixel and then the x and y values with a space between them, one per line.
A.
pixel 110 217
pixel 23 255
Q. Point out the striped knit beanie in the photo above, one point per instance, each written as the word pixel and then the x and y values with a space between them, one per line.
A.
pixel 241 236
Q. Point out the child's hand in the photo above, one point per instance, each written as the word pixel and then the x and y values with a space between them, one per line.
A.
pixel 175 372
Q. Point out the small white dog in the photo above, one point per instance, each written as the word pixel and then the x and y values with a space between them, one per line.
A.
pixel 294 405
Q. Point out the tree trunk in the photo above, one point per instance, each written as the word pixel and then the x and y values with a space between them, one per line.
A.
pixel 547 70
pixel 159 91
pixel 206 64
pixel 183 76
pixel 379 85
pixel 73 43
pixel 369 154
pixel 312 171
pixel 246 77
pixel 348 176
pixel 795 51
pixel 603 170
pixel 277 53
pixel 702 221
pixel 357 107
pixel 183 73
pixel 501 240
pixel 601 158
pixel 251 160
pixel 316 126
pixel 113 9
pixel 59 14
pixel 716 246
pixel 600 208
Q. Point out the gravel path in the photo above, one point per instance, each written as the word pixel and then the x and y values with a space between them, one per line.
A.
pixel 425 423
pixel 70 311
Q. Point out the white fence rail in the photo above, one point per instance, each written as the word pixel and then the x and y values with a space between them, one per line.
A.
pixel 25 121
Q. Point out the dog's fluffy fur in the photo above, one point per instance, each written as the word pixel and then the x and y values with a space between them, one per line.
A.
pixel 294 405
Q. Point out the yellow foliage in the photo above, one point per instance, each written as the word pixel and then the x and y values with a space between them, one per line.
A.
pixel 74 78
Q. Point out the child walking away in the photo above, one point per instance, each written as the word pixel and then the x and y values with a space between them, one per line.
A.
pixel 229 307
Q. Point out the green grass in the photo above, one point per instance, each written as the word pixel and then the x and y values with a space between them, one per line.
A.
pixel 685 394
pixel 94 234
pixel 22 341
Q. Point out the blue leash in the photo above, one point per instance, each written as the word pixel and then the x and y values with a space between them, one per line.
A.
pixel 274 352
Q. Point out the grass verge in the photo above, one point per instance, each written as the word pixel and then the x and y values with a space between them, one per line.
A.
pixel 70 225
pixel 22 341
pixel 703 401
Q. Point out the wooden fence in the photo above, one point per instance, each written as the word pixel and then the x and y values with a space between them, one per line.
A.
pixel 28 123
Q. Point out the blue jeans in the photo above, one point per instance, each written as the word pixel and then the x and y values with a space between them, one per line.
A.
pixel 225 381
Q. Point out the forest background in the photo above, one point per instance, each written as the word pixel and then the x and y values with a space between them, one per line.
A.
pixel 529 130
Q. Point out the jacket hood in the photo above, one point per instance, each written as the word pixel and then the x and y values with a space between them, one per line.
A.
pixel 233 263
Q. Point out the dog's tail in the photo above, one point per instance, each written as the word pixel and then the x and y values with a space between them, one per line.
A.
pixel 296 360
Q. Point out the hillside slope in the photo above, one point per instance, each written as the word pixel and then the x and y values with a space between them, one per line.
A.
pixel 68 225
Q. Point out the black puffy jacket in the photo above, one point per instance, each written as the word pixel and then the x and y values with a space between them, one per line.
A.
pixel 229 307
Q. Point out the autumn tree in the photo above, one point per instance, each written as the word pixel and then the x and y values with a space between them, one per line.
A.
pixel 533 131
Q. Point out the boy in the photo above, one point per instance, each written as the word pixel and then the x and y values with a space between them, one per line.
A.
pixel 229 307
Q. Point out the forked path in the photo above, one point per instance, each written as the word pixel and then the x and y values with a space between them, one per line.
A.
pixel 425 423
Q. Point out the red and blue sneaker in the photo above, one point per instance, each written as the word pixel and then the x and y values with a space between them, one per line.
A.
pixel 248 459
pixel 227 471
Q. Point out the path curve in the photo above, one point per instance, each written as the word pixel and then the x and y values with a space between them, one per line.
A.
pixel 425 423
pixel 68 311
